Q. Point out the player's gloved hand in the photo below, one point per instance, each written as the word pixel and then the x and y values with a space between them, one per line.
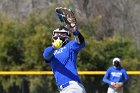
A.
pixel 66 15
pixel 117 86
pixel 113 83
pixel 57 43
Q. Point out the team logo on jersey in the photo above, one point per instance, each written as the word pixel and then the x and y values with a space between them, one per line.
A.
pixel 116 74
pixel 59 50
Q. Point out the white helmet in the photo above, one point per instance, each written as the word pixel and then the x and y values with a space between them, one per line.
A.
pixel 116 62
pixel 62 29
pixel 116 59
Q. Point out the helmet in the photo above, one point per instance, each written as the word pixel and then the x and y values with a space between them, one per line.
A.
pixel 116 62
pixel 116 59
pixel 61 32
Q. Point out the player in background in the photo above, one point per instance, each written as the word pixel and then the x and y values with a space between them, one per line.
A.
pixel 116 77
pixel 62 56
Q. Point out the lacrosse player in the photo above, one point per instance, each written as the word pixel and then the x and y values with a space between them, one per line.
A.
pixel 116 77
pixel 62 54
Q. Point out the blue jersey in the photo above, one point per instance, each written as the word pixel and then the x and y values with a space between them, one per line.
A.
pixel 63 61
pixel 114 74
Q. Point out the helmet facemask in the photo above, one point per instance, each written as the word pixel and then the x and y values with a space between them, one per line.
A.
pixel 116 64
pixel 62 33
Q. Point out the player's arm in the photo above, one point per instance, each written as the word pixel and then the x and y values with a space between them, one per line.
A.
pixel 48 53
pixel 79 41
pixel 78 36
pixel 125 75
pixel 106 77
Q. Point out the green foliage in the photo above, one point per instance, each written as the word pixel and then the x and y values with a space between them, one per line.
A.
pixel 11 44
pixel 101 53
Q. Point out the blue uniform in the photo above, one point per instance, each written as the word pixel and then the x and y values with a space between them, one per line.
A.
pixel 115 75
pixel 63 61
